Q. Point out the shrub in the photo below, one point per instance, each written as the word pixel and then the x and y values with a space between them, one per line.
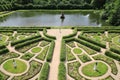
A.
pixel 62 72
pixel 44 72
pixel 112 55
pixel 24 40
pixel 27 43
pixel 3 51
pixel 92 41
pixel 115 50
pixel 50 52
pixel 63 51
pixel 71 35
pixel 48 36
pixel 94 47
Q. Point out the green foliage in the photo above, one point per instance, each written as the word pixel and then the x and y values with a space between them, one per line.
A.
pixel 63 51
pixel 109 61
pixel 4 51
pixel 71 35
pixel 27 56
pixel 50 52
pixel 18 46
pixel 84 58
pixel 113 55
pixel 112 12
pixel 44 72
pixel 94 47
pixel 48 36
pixel 43 54
pixel 24 40
pixel 92 41
pixel 62 72
pixel 115 50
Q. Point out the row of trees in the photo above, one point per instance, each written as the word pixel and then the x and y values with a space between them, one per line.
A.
pixel 51 4
pixel 111 12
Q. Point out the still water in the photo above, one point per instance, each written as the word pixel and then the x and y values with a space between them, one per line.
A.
pixel 35 18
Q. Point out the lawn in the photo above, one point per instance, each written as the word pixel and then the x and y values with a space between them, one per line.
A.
pixel 21 66
pixel 89 71
pixel 36 50
pixel 77 50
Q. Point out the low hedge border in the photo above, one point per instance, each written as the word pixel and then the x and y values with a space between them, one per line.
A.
pixel 92 41
pixel 62 72
pixel 50 52
pixel 94 47
pixel 4 51
pixel 18 46
pixel 44 72
pixel 24 40
pixel 63 51
pixel 48 36
pixel 113 55
pixel 115 50
pixel 71 35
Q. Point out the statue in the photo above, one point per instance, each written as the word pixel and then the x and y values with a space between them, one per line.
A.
pixel 14 64
pixel 62 16
pixel 95 67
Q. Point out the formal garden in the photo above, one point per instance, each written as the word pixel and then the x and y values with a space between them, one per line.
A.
pixel 30 53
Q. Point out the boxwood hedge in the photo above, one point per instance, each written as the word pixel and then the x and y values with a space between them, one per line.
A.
pixel 44 72
pixel 62 72
pixel 94 47
pixel 113 55
pixel 50 52
pixel 48 36
pixel 63 51
pixel 92 41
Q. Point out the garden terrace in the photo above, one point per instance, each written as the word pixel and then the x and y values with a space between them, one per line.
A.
pixel 67 54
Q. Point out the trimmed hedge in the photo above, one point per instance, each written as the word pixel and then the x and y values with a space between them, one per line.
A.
pixel 3 51
pixel 50 52
pixel 44 72
pixel 94 47
pixel 62 72
pixel 115 50
pixel 27 43
pixel 2 46
pixel 63 51
pixel 113 55
pixel 48 36
pixel 92 41
pixel 71 35
pixel 24 40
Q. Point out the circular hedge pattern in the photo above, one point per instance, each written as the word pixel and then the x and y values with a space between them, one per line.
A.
pixel 9 66
pixel 101 69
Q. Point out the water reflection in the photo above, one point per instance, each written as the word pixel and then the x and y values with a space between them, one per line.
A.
pixel 52 19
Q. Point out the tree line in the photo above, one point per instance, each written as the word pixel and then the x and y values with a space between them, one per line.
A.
pixel 110 12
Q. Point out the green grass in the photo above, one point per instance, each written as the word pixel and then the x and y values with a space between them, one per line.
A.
pixel 116 40
pixel 21 37
pixel 70 56
pixel 77 50
pixel 43 54
pixel 97 38
pixel 36 50
pixel 89 71
pixel 21 66
pixel 3 39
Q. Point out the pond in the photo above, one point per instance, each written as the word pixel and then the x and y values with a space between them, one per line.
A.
pixel 49 18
